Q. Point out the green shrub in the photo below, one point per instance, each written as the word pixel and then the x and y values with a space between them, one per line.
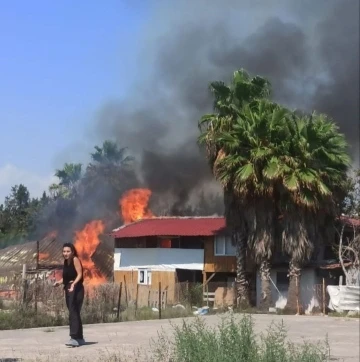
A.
pixel 192 295
pixel 233 341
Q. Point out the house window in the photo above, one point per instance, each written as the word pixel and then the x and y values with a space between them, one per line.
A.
pixel 144 276
pixel 224 246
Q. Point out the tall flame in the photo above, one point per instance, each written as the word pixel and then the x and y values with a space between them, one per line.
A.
pixel 134 205
pixel 86 242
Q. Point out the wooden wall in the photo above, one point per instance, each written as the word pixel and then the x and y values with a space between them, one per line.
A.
pixel 221 264
pixel 144 293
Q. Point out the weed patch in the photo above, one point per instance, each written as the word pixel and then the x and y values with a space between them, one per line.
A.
pixel 234 341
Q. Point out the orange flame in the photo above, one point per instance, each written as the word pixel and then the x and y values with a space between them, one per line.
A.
pixel 134 205
pixel 44 256
pixel 86 242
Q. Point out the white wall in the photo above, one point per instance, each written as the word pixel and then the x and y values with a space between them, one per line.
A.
pixel 158 258
pixel 308 280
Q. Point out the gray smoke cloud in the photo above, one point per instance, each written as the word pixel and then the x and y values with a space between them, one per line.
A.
pixel 309 50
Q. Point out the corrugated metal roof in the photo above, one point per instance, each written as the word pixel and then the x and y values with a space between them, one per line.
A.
pixel 172 226
pixel 50 256
pixel 13 257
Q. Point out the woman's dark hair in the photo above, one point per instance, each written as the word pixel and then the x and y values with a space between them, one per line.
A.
pixel 72 247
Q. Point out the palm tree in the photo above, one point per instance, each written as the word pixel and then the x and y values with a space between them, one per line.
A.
pixel 70 174
pixel 249 150
pixel 110 165
pixel 69 177
pixel 109 173
pixel 228 104
pixel 280 171
pixel 313 180
pixel 111 154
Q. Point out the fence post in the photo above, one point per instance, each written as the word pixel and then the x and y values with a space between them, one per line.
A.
pixel 36 294
pixel 126 293
pixel 159 300
pixel 207 294
pixel 297 296
pixel 136 300
pixel 324 295
pixel 37 254
pixel 119 303
pixel 24 283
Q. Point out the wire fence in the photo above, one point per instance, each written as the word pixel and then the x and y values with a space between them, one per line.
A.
pixel 131 301
pixel 107 302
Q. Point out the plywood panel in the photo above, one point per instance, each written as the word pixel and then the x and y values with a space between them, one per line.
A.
pixel 221 264
pixel 146 293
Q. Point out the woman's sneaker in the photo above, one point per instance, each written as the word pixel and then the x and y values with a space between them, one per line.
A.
pixel 81 341
pixel 72 343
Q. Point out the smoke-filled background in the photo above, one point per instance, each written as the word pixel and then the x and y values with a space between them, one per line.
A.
pixel 309 50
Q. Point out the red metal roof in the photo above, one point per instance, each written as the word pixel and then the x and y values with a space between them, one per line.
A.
pixel 172 226
pixel 181 226
pixel 351 221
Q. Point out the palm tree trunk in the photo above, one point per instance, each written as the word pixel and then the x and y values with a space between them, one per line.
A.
pixel 293 299
pixel 242 284
pixel 266 298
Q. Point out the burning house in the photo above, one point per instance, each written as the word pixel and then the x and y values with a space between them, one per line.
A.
pixel 169 250
pixel 172 250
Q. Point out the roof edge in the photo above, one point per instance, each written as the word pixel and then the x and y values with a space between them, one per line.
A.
pixel 165 218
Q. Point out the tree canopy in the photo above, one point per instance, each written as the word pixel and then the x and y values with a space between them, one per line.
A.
pixel 283 173
pixel 79 191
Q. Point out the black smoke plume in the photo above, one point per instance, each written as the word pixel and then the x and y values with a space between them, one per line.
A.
pixel 309 50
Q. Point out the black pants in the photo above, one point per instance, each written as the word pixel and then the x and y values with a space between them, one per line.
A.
pixel 74 301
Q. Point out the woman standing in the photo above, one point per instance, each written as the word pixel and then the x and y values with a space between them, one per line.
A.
pixel 74 293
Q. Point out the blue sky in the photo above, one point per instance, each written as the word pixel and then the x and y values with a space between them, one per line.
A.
pixel 60 61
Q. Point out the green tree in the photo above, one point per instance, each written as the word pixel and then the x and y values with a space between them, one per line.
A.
pixel 351 204
pixel 17 206
pixel 229 102
pixel 109 173
pixel 69 177
pixel 282 175
pixel 110 154
pixel 248 156
pixel 108 165
pixel 312 180
pixel 17 216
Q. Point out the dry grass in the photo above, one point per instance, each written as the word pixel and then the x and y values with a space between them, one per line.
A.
pixel 44 306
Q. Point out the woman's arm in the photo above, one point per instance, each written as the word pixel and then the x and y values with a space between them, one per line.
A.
pixel 79 271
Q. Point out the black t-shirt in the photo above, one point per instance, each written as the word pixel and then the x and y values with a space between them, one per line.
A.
pixel 70 273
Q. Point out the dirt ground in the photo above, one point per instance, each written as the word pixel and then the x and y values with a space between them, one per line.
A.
pixel 47 344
